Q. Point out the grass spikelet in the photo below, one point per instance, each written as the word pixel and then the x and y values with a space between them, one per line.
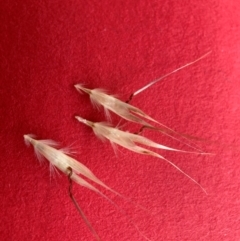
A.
pixel 99 97
pixel 75 170
pixel 129 141
pixel 70 167
pixel 61 161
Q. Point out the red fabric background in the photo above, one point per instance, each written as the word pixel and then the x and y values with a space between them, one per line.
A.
pixel 48 46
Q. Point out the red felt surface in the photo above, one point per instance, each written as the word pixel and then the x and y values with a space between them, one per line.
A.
pixel 48 46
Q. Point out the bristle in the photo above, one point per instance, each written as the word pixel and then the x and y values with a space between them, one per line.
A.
pixel 67 151
pixel 79 87
pixel 50 143
pixel 27 138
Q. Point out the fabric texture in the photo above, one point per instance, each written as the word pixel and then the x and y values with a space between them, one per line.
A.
pixel 48 46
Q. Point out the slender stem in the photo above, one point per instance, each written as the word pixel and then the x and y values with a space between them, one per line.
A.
pixel 70 192
pixel 130 98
